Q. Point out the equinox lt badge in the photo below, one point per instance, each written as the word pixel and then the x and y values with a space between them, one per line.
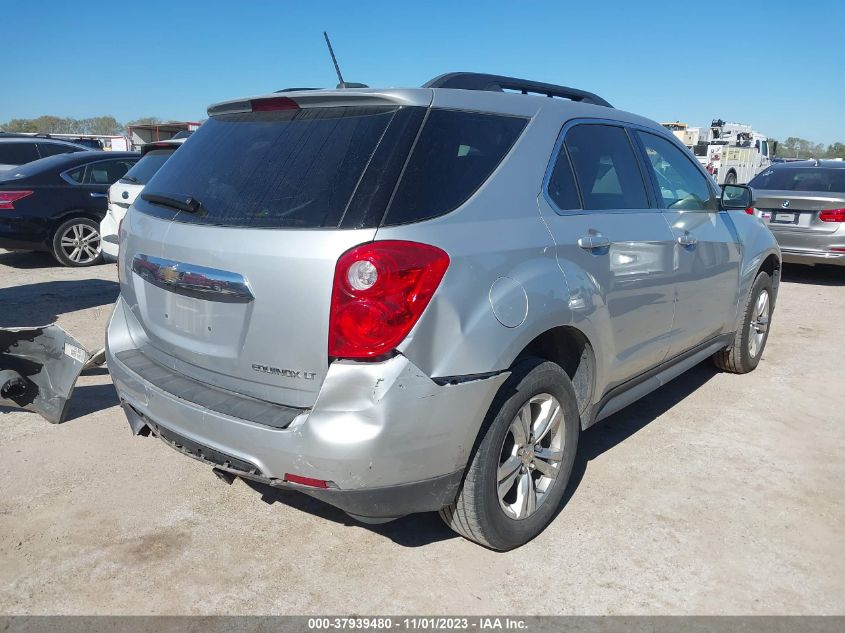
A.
pixel 287 373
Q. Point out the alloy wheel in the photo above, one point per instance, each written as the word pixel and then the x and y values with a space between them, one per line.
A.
pixel 530 457
pixel 80 243
pixel 759 324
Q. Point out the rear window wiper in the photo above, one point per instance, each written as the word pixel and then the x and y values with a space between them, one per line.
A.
pixel 131 179
pixel 188 204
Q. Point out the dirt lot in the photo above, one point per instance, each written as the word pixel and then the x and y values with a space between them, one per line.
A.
pixel 716 494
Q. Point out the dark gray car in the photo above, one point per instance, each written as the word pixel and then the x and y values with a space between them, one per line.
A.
pixel 803 203
pixel 407 300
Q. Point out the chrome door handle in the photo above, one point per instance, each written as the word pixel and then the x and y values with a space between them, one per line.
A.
pixel 593 242
pixel 687 240
pixel 97 194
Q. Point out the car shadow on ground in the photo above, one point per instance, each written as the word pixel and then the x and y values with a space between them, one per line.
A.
pixel 423 529
pixel 814 275
pixel 32 305
pixel 27 260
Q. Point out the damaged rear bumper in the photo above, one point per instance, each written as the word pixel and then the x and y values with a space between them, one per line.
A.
pixel 387 438
pixel 39 367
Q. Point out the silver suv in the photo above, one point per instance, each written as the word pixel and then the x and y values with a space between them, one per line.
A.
pixel 409 300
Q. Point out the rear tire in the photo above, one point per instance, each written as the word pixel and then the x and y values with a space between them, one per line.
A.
pixel 750 339
pixel 76 243
pixel 494 506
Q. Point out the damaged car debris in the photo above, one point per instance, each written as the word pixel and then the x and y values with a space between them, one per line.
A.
pixel 39 367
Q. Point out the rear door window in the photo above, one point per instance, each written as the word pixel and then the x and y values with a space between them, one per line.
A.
pixel 106 172
pixel 454 155
pixel 18 153
pixel 606 168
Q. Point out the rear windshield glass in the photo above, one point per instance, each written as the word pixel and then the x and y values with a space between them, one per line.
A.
pixel 332 167
pixel 455 154
pixel 801 179
pixel 289 168
pixel 146 168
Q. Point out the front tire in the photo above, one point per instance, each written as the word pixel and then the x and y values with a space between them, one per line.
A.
pixel 76 243
pixel 752 334
pixel 523 459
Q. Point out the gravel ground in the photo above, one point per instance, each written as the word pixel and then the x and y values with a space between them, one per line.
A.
pixel 717 494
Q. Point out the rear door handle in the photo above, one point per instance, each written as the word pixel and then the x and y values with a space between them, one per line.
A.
pixel 97 194
pixel 687 240
pixel 593 242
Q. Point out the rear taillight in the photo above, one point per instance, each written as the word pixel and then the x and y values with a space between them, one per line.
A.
pixel 750 210
pixel 380 290
pixel 273 103
pixel 8 198
pixel 832 215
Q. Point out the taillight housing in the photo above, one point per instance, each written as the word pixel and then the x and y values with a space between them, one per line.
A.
pixel 832 215
pixel 8 198
pixel 380 290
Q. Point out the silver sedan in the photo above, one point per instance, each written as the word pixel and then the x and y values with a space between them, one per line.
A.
pixel 803 203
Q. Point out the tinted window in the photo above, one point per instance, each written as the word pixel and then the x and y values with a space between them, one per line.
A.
pixel 288 168
pixel 680 183
pixel 18 153
pixel 606 168
pixel 455 153
pixel 800 179
pixel 51 149
pixel 76 174
pixel 107 172
pixel 562 187
pixel 149 164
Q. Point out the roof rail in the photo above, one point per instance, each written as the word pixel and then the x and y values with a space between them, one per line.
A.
pixel 498 83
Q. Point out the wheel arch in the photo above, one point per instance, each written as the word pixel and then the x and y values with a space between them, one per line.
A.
pixel 570 348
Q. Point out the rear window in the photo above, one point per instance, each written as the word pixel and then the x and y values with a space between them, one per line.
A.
pixel 289 168
pixel 801 179
pixel 51 149
pixel 332 167
pixel 147 167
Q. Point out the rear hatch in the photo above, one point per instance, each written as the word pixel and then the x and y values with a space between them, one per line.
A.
pixel 229 253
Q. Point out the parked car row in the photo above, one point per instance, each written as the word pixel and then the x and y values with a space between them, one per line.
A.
pixel 69 200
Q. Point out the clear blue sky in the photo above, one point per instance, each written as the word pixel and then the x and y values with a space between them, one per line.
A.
pixel 776 64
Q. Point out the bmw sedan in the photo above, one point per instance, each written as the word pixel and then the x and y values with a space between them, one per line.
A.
pixel 803 203
pixel 56 204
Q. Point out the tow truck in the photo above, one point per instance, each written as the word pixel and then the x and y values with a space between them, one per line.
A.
pixel 731 152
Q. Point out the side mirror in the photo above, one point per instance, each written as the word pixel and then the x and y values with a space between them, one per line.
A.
pixel 736 197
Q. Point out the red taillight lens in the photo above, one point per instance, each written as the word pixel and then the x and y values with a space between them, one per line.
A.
pixel 8 198
pixel 380 290
pixel 832 215
pixel 750 210
pixel 273 103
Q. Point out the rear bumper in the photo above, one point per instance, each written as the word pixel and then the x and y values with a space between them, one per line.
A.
pixel 795 256
pixel 108 236
pixel 388 439
pixel 811 247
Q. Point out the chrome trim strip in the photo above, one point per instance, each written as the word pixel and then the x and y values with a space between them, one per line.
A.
pixel 190 280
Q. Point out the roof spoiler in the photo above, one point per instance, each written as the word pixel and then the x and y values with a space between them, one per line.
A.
pixel 499 83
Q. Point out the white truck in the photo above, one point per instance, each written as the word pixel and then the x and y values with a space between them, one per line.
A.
pixel 732 152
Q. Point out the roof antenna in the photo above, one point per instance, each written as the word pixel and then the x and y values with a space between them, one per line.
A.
pixel 341 84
